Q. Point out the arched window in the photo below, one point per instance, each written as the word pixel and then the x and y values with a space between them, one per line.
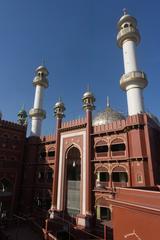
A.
pixel 101 149
pixel 119 175
pixel 118 147
pixel 102 177
pixel 51 153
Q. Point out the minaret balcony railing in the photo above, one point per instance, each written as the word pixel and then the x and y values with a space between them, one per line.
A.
pixel 39 80
pixel 128 33
pixel 137 78
pixel 36 112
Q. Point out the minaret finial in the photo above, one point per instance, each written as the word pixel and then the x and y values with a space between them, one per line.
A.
pixel 88 87
pixel 108 102
pixel 43 62
pixel 59 99
pixel 124 11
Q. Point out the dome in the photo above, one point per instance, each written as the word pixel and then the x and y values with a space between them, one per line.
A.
pixel 126 18
pixel 42 69
pixel 22 112
pixel 108 116
pixel 59 105
pixel 88 94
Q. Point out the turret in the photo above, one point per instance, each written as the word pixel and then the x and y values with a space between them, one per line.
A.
pixel 134 80
pixel 37 114
pixel 22 117
pixel 88 106
pixel 59 109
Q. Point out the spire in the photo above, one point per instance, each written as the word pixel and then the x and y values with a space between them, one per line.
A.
pixel 108 102
pixel 88 87
pixel 124 11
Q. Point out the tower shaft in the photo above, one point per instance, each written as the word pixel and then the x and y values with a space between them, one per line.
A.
pixel 38 100
pixel 129 56
pixel 132 81
pixel 37 114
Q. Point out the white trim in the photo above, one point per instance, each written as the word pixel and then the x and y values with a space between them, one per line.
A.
pixel 60 195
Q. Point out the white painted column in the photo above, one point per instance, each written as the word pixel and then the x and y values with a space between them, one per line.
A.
pixel 36 126
pixel 37 114
pixel 129 56
pixel 38 100
pixel 134 92
pixel 135 100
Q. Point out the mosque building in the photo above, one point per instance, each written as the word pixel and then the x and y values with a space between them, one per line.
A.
pixel 97 177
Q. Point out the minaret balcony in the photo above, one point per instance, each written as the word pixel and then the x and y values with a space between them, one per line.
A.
pixel 40 80
pixel 36 112
pixel 130 33
pixel 134 78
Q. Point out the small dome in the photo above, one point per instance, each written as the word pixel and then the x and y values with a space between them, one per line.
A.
pixel 59 104
pixel 22 112
pixel 108 116
pixel 42 69
pixel 88 94
pixel 126 18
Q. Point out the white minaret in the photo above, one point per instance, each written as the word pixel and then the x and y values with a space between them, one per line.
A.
pixel 37 114
pixel 133 81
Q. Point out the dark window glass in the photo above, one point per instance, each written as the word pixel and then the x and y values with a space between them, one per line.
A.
pixel 105 213
pixel 102 149
pixel 51 154
pixel 118 147
pixel 104 176
pixel 119 177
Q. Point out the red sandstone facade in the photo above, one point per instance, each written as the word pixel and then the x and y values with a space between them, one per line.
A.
pixel 124 173
pixel 88 181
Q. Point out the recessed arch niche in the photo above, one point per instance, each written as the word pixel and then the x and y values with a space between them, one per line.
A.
pixel 73 178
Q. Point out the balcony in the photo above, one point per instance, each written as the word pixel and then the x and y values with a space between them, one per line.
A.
pixel 102 185
pixel 128 33
pixel 135 77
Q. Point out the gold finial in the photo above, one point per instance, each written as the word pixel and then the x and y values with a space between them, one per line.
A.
pixel 124 11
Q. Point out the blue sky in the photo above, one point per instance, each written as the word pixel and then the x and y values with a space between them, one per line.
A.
pixel 77 40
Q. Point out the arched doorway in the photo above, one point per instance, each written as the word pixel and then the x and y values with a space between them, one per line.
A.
pixel 73 178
